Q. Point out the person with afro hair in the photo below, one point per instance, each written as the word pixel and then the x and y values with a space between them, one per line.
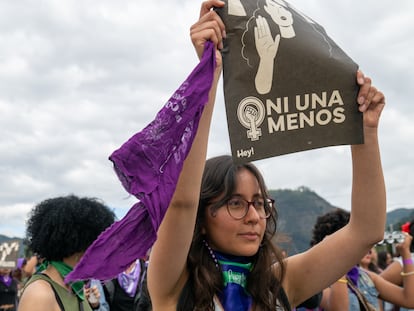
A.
pixel 59 230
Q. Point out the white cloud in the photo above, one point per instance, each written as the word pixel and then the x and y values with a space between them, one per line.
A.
pixel 13 219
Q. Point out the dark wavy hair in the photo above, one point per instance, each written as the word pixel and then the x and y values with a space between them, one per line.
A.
pixel 382 259
pixel 60 227
pixel 205 280
pixel 329 223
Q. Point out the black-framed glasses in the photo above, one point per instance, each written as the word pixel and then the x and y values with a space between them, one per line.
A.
pixel 238 207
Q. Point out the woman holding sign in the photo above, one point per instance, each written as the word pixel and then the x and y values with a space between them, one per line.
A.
pixel 214 247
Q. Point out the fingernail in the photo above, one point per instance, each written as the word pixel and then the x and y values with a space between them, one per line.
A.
pixel 224 34
pixel 361 80
pixel 361 100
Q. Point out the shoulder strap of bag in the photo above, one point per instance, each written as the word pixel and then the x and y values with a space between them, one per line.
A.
pixel 363 302
pixel 45 277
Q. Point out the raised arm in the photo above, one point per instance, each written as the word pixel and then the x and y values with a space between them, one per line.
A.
pixel 401 296
pixel 167 267
pixel 368 213
pixel 327 261
pixel 393 271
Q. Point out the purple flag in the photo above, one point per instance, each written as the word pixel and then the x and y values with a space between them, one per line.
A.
pixel 149 165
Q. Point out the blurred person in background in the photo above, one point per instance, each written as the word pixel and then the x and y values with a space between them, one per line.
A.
pixel 8 291
pixel 395 271
pixel 345 293
pixel 384 259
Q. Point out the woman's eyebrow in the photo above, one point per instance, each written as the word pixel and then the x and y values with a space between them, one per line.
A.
pixel 256 195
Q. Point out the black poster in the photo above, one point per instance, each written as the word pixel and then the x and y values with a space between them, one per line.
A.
pixel 287 86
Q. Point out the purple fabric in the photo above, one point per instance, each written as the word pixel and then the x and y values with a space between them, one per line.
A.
pixel 148 165
pixel 20 262
pixel 353 275
pixel 129 281
pixel 6 280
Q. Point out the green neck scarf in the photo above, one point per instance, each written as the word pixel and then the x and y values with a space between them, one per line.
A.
pixel 64 270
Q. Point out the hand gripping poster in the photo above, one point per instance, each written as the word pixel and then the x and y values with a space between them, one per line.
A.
pixel 288 86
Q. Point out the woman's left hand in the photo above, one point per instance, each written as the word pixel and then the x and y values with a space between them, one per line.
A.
pixel 371 101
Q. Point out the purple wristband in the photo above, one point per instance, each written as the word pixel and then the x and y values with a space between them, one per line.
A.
pixel 408 261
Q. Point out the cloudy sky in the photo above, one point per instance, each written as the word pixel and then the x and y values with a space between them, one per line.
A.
pixel 78 78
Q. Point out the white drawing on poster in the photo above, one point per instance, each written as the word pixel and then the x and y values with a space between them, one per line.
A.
pixel 267 49
pixel 236 8
pixel 266 46
pixel 251 114
pixel 281 16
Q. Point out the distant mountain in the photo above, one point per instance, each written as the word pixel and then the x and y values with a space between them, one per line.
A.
pixel 4 238
pixel 297 212
pixel 397 217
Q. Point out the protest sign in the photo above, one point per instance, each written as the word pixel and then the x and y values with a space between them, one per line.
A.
pixel 9 252
pixel 288 86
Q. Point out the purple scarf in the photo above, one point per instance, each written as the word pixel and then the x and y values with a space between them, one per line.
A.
pixel 149 165
pixel 129 280
pixel 353 275
pixel 6 280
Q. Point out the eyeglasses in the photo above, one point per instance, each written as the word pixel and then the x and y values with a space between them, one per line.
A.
pixel 238 207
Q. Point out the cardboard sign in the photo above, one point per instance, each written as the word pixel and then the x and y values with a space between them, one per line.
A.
pixel 9 252
pixel 287 86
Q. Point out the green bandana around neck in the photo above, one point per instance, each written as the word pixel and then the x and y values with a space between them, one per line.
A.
pixel 64 270
pixel 235 270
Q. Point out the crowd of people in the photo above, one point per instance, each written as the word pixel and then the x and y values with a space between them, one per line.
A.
pixel 374 279
pixel 58 232
pixel 214 248
pixel 364 284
